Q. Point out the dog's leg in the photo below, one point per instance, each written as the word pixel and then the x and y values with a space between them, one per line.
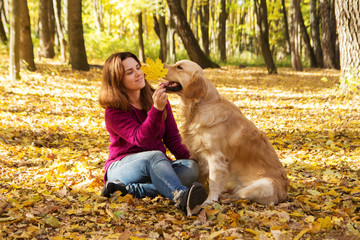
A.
pixel 218 175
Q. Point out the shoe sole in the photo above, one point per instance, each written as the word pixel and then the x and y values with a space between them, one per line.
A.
pixel 112 187
pixel 197 195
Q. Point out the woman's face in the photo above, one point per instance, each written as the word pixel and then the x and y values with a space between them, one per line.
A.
pixel 133 76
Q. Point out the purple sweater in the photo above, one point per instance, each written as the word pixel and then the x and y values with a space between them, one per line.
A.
pixel 138 131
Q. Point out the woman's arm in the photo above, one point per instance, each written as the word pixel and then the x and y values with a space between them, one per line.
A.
pixel 125 125
pixel 172 137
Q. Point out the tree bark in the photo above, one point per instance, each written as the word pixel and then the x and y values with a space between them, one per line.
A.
pixel 183 29
pixel 141 39
pixel 78 58
pixel 286 24
pixel 294 40
pixel 222 31
pixel 204 25
pixel 59 29
pixel 170 42
pixel 3 36
pixel 315 33
pixel 46 23
pixel 328 28
pixel 348 19
pixel 262 22
pixel 183 4
pixel 305 36
pixel 98 12
pixel 161 30
pixel 26 45
pixel 3 22
pixel 15 40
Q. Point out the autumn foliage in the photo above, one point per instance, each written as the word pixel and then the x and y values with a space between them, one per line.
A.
pixel 53 145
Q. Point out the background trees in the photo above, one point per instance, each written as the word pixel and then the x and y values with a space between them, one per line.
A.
pixel 208 32
pixel 78 58
pixel 15 41
pixel 26 44
pixel 348 19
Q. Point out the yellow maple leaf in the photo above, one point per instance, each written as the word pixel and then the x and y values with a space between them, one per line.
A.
pixel 153 70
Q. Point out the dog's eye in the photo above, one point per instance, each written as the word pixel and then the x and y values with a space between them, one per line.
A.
pixel 179 67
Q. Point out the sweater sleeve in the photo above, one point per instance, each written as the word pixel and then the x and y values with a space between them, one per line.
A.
pixel 125 125
pixel 172 138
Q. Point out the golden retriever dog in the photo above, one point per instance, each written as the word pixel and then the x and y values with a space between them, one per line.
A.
pixel 227 146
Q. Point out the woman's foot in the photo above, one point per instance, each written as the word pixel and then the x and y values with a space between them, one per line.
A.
pixel 192 199
pixel 111 187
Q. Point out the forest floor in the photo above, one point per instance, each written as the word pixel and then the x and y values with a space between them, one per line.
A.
pixel 53 145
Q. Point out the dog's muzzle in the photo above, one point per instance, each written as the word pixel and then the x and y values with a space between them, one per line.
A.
pixel 173 86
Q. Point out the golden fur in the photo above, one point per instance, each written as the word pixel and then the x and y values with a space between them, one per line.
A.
pixel 227 146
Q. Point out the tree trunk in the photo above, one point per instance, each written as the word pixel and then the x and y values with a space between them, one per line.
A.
pixel 26 45
pixel 141 39
pixel 161 29
pixel 204 25
pixel 2 32
pixel 315 33
pixel 294 40
pixel 78 59
pixel 334 35
pixel 183 29
pixel 305 36
pixel 4 22
pixel 286 30
pixel 98 12
pixel 3 36
pixel 66 14
pixel 196 25
pixel 59 28
pixel 348 19
pixel 328 29
pixel 46 32
pixel 262 21
pixel 163 40
pixel 170 42
pixel 222 31
pixel 15 40
pixel 183 4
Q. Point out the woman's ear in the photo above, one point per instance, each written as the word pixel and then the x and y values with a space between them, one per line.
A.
pixel 196 87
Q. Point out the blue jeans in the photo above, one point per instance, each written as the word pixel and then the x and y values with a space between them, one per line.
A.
pixel 151 173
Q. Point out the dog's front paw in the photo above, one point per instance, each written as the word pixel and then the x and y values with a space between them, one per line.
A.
pixel 208 202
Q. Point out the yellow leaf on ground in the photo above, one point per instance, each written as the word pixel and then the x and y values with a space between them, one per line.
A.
pixel 251 231
pixel 301 233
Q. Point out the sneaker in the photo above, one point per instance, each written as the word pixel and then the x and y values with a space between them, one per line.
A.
pixel 111 187
pixel 192 199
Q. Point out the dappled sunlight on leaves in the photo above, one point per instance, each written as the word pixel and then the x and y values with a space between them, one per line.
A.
pixel 53 145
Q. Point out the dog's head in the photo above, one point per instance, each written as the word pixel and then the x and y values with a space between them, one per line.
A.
pixel 185 78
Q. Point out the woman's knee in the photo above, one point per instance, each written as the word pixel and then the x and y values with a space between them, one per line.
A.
pixel 187 171
pixel 155 156
pixel 194 170
pixel 192 166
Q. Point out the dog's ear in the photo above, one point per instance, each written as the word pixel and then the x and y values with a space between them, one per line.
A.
pixel 196 87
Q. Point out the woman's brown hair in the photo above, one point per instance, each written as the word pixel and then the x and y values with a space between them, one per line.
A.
pixel 112 92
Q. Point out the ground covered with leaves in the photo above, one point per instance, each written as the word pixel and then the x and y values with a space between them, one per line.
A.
pixel 53 145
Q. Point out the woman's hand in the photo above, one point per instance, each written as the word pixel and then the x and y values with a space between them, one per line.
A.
pixel 160 97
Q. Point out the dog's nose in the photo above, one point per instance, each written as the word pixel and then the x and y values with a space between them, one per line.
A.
pixel 166 65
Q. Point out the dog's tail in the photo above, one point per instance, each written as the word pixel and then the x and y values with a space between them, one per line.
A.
pixel 261 191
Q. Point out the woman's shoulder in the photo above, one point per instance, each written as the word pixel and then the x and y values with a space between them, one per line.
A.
pixel 112 112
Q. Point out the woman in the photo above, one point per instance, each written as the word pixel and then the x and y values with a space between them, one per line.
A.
pixel 141 126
